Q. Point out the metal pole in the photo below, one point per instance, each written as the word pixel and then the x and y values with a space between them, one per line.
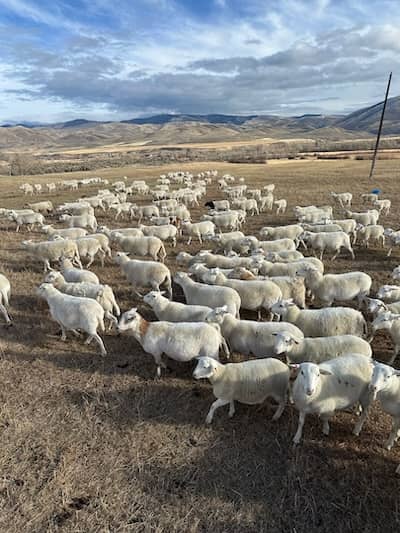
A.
pixel 380 128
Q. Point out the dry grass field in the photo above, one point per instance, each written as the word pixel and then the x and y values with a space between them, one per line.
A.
pixel 91 444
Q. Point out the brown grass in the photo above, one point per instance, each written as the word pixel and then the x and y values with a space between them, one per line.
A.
pixel 97 445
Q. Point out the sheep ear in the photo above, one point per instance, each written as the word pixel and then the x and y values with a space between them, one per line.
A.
pixel 396 372
pixel 162 293
pixel 294 370
pixel 296 340
pixel 325 372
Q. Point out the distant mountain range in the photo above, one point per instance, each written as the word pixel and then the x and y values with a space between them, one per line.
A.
pixel 178 129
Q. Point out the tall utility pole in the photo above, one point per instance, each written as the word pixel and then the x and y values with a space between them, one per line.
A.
pixel 378 137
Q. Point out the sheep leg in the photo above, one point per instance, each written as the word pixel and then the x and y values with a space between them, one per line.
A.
pixel 46 265
pixel 160 364
pixel 231 408
pixel 97 338
pixel 335 255
pixel 3 311
pixel 393 434
pixel 111 318
pixel 325 423
pixel 225 347
pixel 299 432
pixel 91 259
pixel 102 256
pixel 359 424
pixel 63 333
pixel 279 410
pixel 395 352
pixel 215 405
pixel 190 240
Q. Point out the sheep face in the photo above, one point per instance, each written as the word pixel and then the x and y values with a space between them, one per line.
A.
pixel 205 368
pixel 129 320
pixel 283 342
pixel 180 276
pixel 152 297
pixel 384 321
pixel 381 377
pixel 120 258
pixel 309 377
pixel 52 277
pixel 386 290
pixel 44 289
pixel 280 307
pixel 374 305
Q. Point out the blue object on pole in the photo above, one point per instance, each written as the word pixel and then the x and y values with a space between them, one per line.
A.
pixel 375 191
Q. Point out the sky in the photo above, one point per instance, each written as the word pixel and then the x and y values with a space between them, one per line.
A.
pixel 119 59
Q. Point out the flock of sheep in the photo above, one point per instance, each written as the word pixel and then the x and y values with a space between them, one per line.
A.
pixel 319 358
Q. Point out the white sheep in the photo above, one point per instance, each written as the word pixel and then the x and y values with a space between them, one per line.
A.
pixel 213 260
pixel 385 387
pixel 68 233
pixel 329 288
pixel 249 382
pixel 50 251
pixel 211 296
pixel 198 229
pixel 146 211
pixel 331 386
pixel 348 225
pixel 80 221
pixel 164 232
pixel 145 274
pixel 249 337
pixel 255 295
pixel 284 256
pixel 392 238
pixel 70 273
pixel 181 341
pixel 383 206
pixel 266 202
pixel 5 292
pixel 101 293
pixel 372 232
pixel 321 228
pixel 389 293
pixel 391 323
pixel 165 309
pixel 280 206
pixel 73 313
pixel 276 245
pixel 365 218
pixel 126 232
pixel 342 198
pixel 266 268
pixel 322 322
pixel 292 231
pixel 142 246
pixel 318 349
pixel 41 207
pixel 332 242
pixel 28 219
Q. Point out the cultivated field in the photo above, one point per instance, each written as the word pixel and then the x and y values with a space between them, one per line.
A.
pixel 98 445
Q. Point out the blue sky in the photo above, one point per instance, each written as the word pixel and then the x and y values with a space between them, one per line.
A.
pixel 110 60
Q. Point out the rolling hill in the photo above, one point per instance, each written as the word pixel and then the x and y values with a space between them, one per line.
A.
pixel 177 129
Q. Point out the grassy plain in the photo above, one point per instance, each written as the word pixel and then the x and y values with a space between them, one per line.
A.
pixel 97 445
